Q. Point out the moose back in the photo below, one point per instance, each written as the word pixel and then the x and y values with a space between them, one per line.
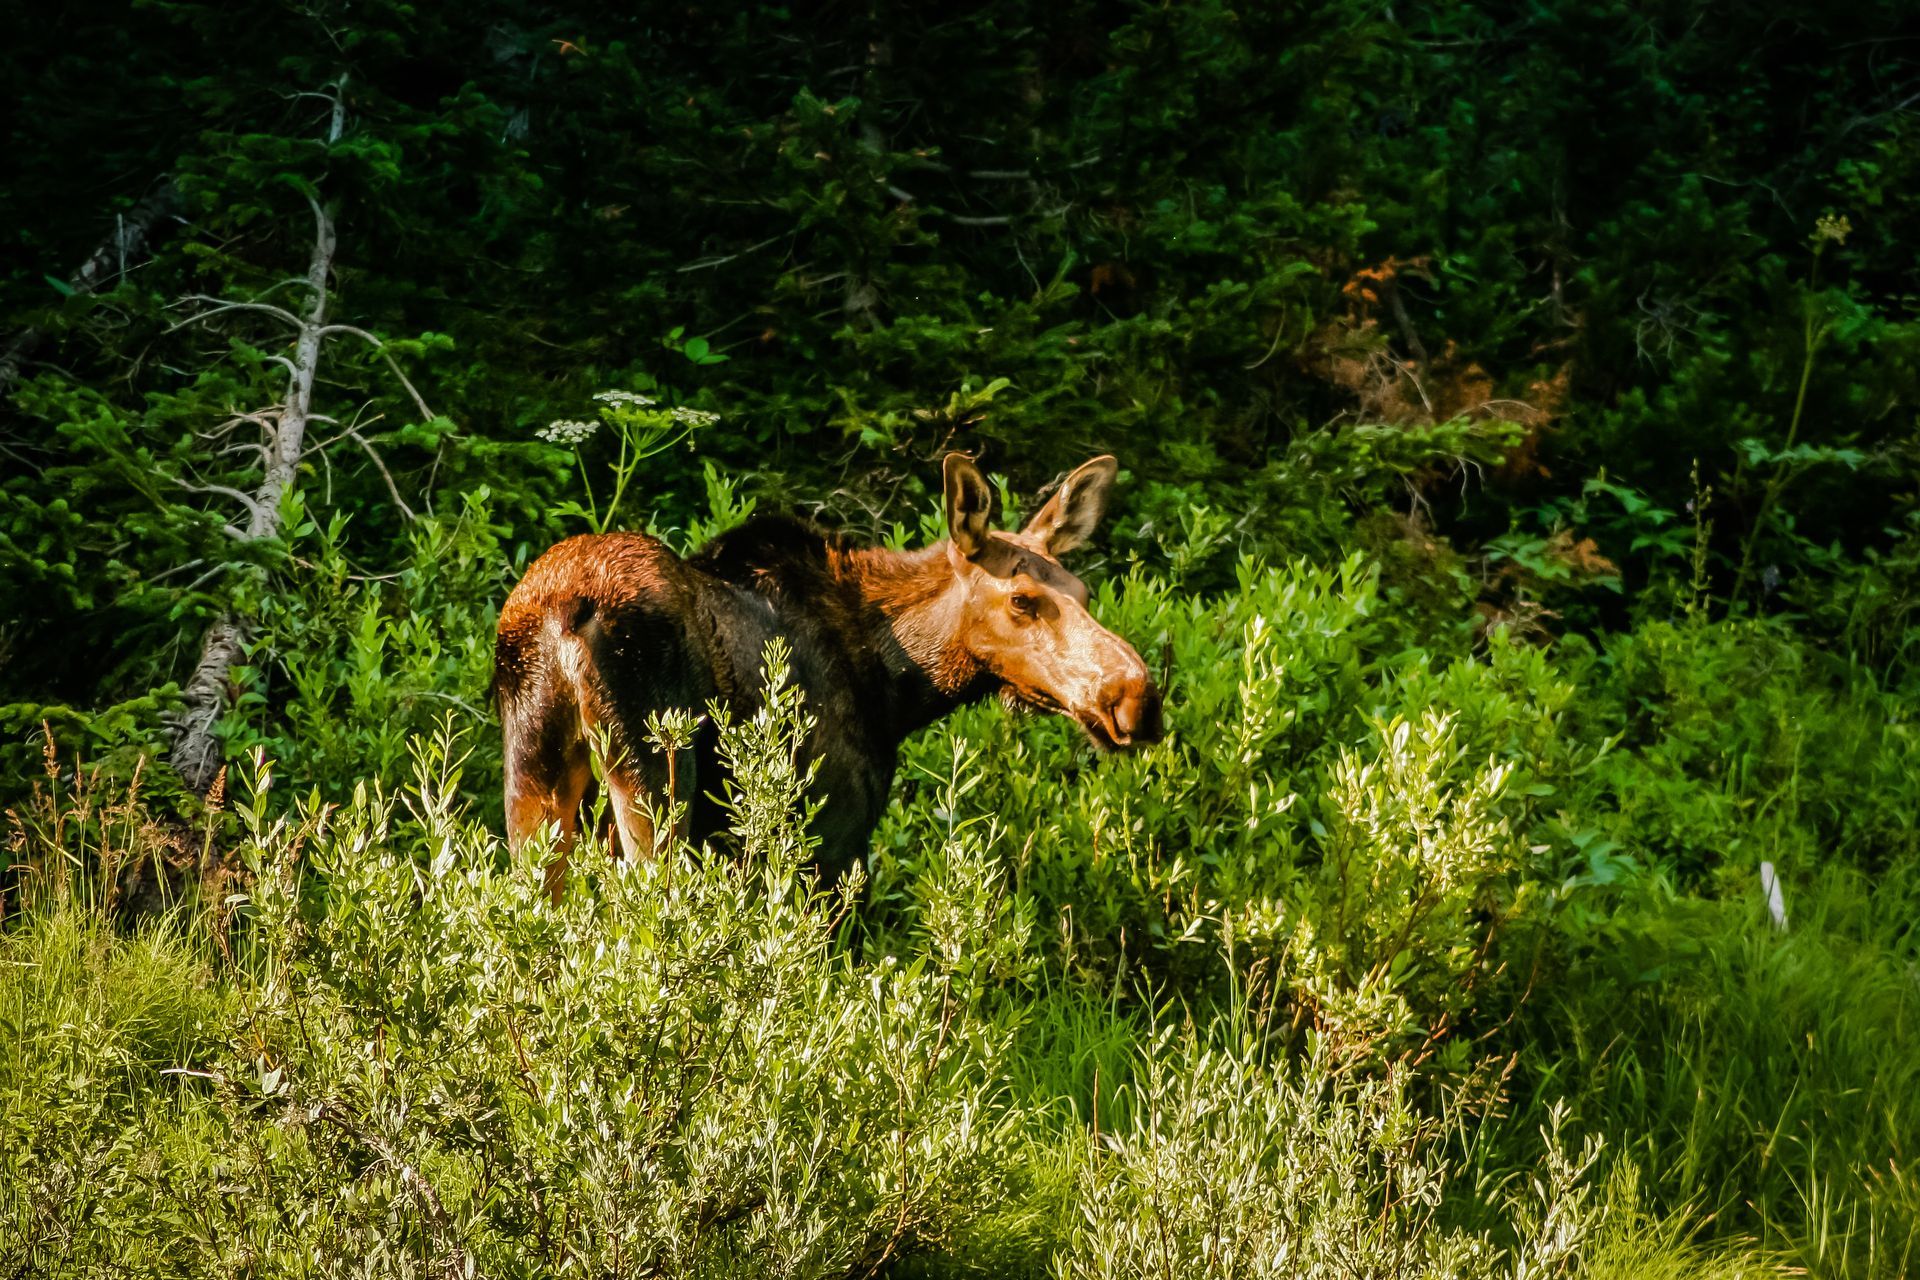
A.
pixel 606 629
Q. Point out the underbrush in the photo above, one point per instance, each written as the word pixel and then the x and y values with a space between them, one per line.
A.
pixel 417 1063
pixel 1537 867
pixel 1367 970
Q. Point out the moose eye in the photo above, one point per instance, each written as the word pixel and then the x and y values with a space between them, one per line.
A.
pixel 1025 606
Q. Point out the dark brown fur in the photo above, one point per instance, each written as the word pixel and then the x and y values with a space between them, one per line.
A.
pixel 607 629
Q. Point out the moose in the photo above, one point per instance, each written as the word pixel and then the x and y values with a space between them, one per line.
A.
pixel 606 629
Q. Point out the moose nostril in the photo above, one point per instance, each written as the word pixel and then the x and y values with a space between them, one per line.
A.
pixel 1133 712
pixel 1144 712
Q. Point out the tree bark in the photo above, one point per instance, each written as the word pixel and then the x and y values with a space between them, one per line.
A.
pixel 130 235
pixel 196 748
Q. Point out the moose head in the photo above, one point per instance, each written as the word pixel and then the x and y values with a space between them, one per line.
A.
pixel 1023 616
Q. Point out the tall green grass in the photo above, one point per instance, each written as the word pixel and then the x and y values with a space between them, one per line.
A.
pixel 1765 1081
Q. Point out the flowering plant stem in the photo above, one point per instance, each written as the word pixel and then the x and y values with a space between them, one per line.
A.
pixel 646 430
pixel 586 484
pixel 632 454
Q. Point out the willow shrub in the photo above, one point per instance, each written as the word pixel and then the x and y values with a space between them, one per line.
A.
pixel 1365 816
pixel 432 1068
pixel 383 1050
pixel 1238 1166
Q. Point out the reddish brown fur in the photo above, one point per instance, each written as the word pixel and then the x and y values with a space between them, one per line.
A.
pixel 605 630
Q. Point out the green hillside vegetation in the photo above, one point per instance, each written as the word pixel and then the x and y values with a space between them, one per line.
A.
pixel 1516 408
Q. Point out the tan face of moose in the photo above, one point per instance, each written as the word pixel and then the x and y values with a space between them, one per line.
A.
pixel 1025 618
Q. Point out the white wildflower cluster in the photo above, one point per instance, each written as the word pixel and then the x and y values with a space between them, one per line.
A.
pixel 693 417
pixel 630 399
pixel 562 431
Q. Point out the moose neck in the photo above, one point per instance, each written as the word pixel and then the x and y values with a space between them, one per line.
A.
pixel 913 609
pixel 892 621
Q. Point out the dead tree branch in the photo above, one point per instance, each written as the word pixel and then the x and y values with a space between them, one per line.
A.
pixel 426 414
pixel 196 751
pixel 279 313
pixel 131 232
pixel 393 490
pixel 284 428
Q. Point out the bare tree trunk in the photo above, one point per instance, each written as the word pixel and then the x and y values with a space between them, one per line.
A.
pixel 289 435
pixel 196 751
pixel 130 234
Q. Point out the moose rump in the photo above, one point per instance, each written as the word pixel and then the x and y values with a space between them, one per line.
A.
pixel 596 631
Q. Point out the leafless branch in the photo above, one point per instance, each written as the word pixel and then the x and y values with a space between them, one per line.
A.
pixel 266 419
pixel 930 165
pixel 164 574
pixel 247 500
pixel 350 433
pixel 704 264
pixel 207 577
pixel 225 305
pixel 973 220
pixel 426 414
pixel 1400 317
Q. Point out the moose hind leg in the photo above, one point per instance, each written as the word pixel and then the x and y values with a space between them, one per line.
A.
pixel 634 804
pixel 643 792
pixel 548 772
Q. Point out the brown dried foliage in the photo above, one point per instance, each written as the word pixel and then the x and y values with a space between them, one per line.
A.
pixel 83 832
pixel 1373 352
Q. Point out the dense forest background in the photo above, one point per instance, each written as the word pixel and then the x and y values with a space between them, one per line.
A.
pixel 1585 241
pixel 1516 406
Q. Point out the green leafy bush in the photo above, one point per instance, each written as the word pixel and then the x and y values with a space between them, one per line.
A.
pixel 1236 1168
pixel 346 669
pixel 1360 814
pixel 431 1066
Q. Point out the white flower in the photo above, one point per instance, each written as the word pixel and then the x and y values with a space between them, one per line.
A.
pixel 633 398
pixel 694 417
pixel 562 431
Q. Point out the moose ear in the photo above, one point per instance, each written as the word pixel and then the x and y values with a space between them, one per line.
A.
pixel 969 501
pixel 1070 516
